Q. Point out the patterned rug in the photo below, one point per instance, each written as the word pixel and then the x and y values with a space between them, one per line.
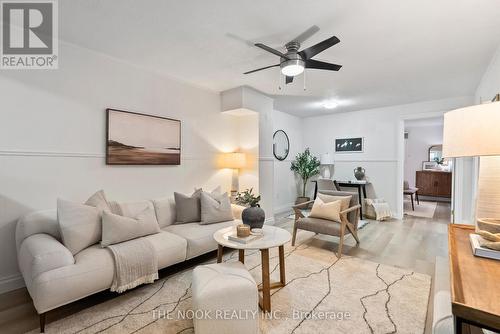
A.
pixel 323 295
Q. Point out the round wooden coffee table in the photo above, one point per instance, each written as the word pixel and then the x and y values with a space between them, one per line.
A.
pixel 272 237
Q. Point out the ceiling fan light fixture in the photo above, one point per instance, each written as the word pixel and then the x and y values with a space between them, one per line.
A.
pixel 292 67
pixel 330 104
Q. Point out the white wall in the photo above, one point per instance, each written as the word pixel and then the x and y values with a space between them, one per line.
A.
pixel 420 138
pixel 52 138
pixel 286 187
pixel 487 190
pixel 382 129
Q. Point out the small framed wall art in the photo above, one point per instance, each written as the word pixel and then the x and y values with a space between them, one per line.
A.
pixel 349 145
pixel 140 139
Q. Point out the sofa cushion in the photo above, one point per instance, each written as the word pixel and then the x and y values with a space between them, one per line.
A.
pixel 98 200
pixel 80 225
pixel 199 238
pixel 130 209
pixel 116 228
pixel 187 207
pixel 93 271
pixel 215 208
pixel 165 211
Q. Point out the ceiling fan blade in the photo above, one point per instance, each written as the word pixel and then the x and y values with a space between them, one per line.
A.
pixel 321 65
pixel 262 68
pixel 288 80
pixel 306 34
pixel 320 47
pixel 273 51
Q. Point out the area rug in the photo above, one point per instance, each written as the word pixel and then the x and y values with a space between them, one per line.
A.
pixel 323 295
pixel 423 210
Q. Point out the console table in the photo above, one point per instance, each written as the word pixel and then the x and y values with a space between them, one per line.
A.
pixel 475 295
pixel 360 186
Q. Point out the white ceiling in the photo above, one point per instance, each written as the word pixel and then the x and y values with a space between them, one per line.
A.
pixel 425 122
pixel 392 51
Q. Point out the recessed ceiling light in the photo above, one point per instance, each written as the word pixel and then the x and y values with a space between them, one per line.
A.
pixel 330 104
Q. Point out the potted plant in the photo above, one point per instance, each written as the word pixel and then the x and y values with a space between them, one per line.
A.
pixel 253 215
pixel 306 166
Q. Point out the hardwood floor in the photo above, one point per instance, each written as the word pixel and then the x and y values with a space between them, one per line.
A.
pixel 412 243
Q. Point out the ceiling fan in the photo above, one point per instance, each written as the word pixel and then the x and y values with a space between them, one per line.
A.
pixel 293 62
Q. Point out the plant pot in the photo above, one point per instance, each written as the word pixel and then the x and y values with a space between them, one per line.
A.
pixel 253 216
pixel 301 199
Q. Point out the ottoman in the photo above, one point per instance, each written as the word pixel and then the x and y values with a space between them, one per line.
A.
pixel 225 299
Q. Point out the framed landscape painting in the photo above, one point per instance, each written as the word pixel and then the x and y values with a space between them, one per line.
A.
pixel 139 139
pixel 349 145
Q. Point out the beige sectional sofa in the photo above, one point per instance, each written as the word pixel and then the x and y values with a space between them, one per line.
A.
pixel 54 277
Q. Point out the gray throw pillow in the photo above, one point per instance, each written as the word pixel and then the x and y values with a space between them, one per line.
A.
pixel 116 228
pixel 188 207
pixel 80 225
pixel 215 208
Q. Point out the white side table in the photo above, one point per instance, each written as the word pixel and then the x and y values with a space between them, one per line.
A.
pixel 272 237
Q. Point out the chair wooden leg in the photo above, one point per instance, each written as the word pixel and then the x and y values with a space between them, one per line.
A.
pixel 294 235
pixel 412 205
pixel 42 322
pixel 416 195
pixel 354 232
pixel 341 243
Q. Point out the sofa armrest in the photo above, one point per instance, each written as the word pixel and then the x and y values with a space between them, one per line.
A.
pixel 237 210
pixel 40 253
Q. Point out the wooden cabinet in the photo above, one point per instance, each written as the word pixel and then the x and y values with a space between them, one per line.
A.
pixel 433 183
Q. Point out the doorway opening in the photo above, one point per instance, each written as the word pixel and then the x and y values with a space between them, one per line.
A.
pixel 428 179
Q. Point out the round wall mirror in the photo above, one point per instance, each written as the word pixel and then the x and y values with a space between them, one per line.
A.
pixel 281 145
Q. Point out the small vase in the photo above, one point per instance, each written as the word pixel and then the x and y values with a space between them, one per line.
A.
pixel 359 173
pixel 253 216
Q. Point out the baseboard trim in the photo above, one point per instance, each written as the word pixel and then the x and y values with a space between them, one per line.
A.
pixel 11 282
pixel 284 208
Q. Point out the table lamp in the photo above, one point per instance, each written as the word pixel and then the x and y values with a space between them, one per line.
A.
pixel 326 159
pixel 234 161
pixel 473 132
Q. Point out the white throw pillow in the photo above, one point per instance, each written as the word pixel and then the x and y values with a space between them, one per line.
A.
pixel 345 200
pixel 116 228
pixel 80 225
pixel 329 211
pixel 98 200
pixel 215 208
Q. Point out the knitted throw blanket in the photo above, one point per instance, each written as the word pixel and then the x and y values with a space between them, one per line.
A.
pixel 136 263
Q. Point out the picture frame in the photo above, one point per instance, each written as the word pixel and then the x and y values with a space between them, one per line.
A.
pixel 140 139
pixel 429 165
pixel 349 145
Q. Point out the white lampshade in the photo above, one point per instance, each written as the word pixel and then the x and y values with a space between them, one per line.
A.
pixel 233 160
pixel 472 131
pixel 326 159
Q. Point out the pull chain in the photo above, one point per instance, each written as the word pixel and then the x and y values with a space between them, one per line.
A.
pixel 304 79
pixel 279 80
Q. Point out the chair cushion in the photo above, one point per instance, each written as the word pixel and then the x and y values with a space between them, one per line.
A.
pixel 318 225
pixel 330 211
pixel 200 238
pixel 344 200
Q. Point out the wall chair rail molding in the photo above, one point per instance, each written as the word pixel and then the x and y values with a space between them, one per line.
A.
pixel 55 154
